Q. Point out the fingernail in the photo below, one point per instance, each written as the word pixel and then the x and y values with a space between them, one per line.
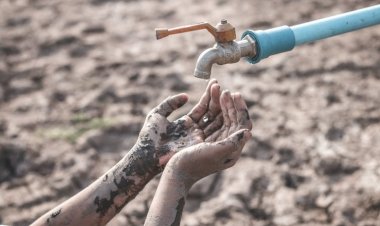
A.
pixel 216 85
pixel 235 95
pixel 184 97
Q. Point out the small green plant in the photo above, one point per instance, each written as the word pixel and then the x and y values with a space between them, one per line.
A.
pixel 80 125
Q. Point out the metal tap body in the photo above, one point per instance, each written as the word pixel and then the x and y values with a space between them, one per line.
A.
pixel 223 53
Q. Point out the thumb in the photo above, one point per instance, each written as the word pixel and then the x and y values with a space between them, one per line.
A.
pixel 170 104
pixel 234 142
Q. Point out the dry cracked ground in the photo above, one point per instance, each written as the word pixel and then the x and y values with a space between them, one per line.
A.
pixel 77 78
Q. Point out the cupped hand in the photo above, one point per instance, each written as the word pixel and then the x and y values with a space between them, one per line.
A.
pixel 233 116
pixel 222 147
pixel 164 138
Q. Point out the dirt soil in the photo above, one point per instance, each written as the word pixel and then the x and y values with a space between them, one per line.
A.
pixel 78 77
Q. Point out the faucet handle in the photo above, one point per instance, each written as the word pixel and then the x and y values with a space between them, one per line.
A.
pixel 223 32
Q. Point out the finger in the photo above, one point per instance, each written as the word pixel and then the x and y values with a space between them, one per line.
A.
pixel 242 112
pixel 201 107
pixel 232 114
pixel 170 104
pixel 214 125
pixel 235 142
pixel 226 118
pixel 213 107
pixel 235 155
pixel 224 107
pixel 185 122
pixel 214 137
pixel 232 158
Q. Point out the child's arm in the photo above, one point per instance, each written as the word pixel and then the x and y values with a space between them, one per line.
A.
pixel 195 162
pixel 158 141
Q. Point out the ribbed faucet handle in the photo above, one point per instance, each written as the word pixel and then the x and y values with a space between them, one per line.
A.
pixel 223 32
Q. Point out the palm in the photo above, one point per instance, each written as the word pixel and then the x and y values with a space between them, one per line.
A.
pixel 223 146
pixel 172 136
pixel 166 137
pixel 179 136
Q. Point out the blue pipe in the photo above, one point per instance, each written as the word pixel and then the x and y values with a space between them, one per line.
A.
pixel 285 38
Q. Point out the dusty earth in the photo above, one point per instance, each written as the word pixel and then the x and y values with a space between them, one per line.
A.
pixel 77 78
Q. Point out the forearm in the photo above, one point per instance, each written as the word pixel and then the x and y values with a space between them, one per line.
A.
pixel 104 198
pixel 169 200
pixel 185 168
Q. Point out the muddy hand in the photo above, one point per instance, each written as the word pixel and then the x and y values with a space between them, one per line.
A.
pixel 208 157
pixel 165 138
pixel 223 145
pixel 224 138
pixel 233 117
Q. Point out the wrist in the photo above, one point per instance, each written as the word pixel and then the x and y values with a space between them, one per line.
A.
pixel 174 174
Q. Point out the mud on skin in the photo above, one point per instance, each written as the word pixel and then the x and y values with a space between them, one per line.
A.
pixel 227 161
pixel 53 215
pixel 174 131
pixel 179 209
pixel 245 117
pixel 140 162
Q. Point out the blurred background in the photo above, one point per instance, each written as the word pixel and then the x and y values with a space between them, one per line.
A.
pixel 77 78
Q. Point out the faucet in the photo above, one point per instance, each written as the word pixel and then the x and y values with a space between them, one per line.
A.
pixel 225 51
pixel 260 44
